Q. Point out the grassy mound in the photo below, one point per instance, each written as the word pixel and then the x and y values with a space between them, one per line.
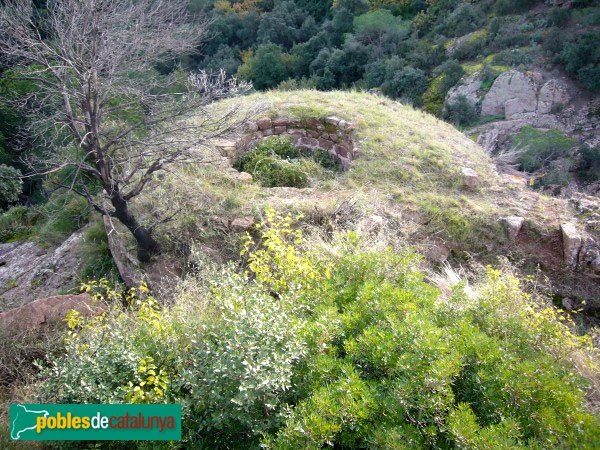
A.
pixel 409 167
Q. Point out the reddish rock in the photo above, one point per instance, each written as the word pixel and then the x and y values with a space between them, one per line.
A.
pixel 39 313
pixel 282 122
pixel 242 223
pixel 326 144
pixel 313 124
pixel 341 150
pixel 333 120
pixel 264 123
pixel 279 130
pixel 297 132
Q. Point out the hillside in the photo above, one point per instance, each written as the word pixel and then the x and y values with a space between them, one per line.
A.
pixel 406 182
pixel 330 329
pixel 443 56
pixel 346 223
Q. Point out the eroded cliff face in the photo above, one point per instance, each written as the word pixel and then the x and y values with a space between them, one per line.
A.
pixel 535 98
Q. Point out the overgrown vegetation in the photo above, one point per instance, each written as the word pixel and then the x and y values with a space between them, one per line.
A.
pixel 275 161
pixel 540 147
pixel 342 344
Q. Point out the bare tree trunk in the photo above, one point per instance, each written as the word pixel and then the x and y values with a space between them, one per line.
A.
pixel 80 55
pixel 147 246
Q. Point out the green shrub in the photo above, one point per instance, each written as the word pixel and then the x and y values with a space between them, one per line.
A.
pixel 407 83
pixel 590 77
pixel 452 72
pixel 512 57
pixel 97 261
pixel 268 67
pixel 324 159
pixel 274 172
pixel 464 19
pixel 559 16
pixel 556 177
pixel 10 185
pixel 554 41
pixel 540 147
pixel 589 167
pixel 62 215
pixel 581 56
pixel 512 6
pixel 280 146
pixel 488 76
pixel 17 223
pixel 348 348
pixel 275 161
pixel 461 113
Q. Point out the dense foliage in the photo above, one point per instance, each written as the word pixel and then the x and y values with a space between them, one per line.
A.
pixel 364 43
pixel 275 161
pixel 539 147
pixel 347 346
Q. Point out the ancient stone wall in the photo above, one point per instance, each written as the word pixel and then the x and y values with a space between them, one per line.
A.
pixel 330 133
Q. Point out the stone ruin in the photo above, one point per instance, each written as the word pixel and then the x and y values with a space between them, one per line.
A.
pixel 331 134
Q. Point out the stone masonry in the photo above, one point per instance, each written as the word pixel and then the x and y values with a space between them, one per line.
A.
pixel 332 134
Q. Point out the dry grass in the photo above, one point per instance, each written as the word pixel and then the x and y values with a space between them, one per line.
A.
pixel 409 166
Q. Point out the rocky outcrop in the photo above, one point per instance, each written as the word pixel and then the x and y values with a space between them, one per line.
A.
pixel 571 244
pixel 28 271
pixel 589 257
pixel 34 316
pixel 470 178
pixel 127 264
pixel 553 94
pixel 529 98
pixel 512 93
pixel 331 134
pixel 469 89
pixel 512 226
pixel 242 223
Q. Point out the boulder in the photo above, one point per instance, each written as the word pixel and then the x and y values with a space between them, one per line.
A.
pixel 437 252
pixel 571 244
pixel 589 257
pixel 240 224
pixel 34 316
pixel 512 225
pixel 512 85
pixel 552 93
pixel 264 123
pixel 29 272
pixel 244 177
pixel 488 139
pixel 127 264
pixel 515 108
pixel 250 126
pixel 467 88
pixel 470 178
pixel 568 304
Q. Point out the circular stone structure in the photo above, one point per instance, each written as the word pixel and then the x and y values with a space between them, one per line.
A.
pixel 330 133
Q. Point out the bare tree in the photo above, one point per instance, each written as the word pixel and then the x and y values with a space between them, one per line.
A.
pixel 102 111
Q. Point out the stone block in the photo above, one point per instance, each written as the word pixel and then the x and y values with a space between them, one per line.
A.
pixel 264 123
